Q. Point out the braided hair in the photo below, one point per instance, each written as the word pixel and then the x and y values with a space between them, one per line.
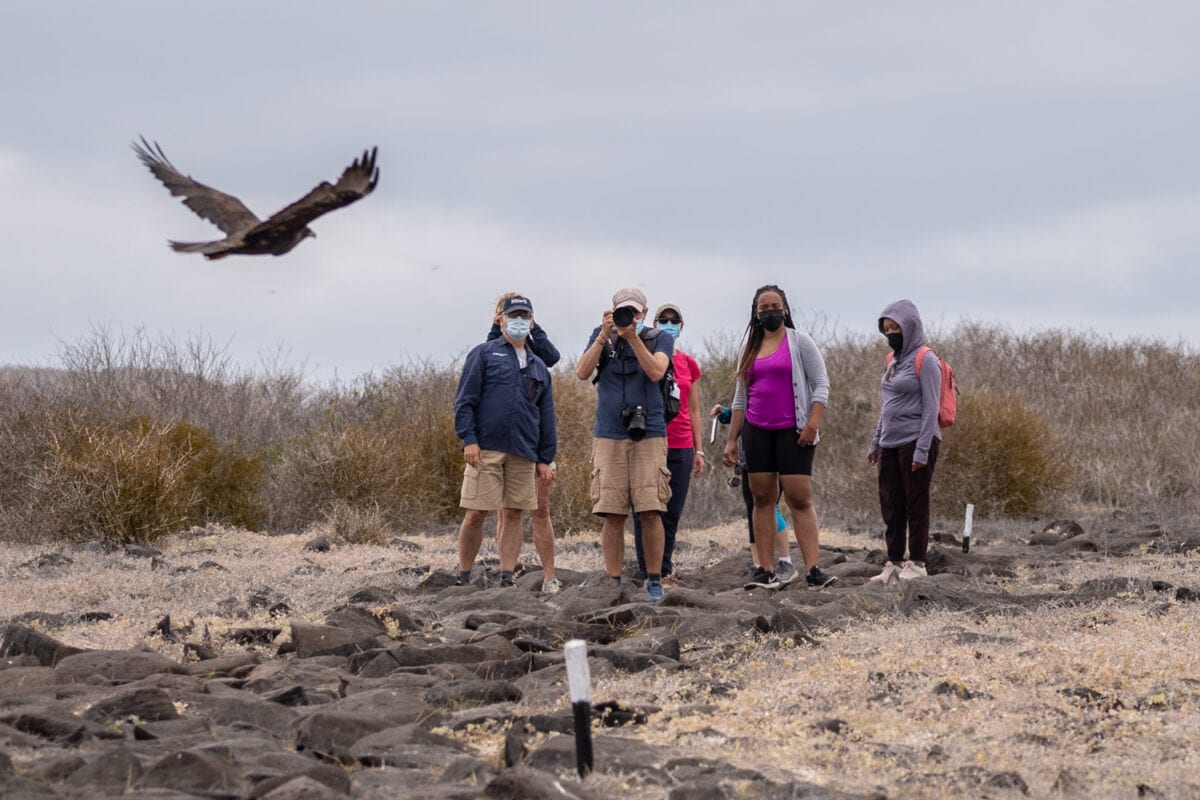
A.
pixel 754 329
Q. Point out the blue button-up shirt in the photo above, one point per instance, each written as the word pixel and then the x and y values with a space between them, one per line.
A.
pixel 500 406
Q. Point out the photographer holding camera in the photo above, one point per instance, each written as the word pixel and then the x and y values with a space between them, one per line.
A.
pixel 629 466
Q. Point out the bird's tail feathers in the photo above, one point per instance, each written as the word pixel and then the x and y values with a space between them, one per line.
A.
pixel 209 249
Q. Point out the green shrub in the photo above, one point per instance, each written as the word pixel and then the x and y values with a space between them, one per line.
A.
pixel 1000 456
pixel 229 481
pixel 138 480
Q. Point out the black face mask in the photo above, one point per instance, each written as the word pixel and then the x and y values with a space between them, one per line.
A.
pixel 771 320
pixel 896 341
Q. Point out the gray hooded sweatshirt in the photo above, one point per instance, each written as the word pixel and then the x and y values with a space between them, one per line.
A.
pixel 910 404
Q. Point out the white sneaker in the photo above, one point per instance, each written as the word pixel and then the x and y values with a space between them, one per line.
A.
pixel 885 577
pixel 551 586
pixel 912 570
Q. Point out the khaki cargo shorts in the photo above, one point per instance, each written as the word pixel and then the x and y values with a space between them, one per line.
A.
pixel 501 480
pixel 626 473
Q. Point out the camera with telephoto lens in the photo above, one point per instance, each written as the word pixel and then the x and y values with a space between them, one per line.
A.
pixel 634 420
pixel 623 317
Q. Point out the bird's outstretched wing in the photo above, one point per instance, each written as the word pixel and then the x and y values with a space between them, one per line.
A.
pixel 357 181
pixel 223 210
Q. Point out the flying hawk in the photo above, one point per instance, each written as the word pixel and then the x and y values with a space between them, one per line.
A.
pixel 246 234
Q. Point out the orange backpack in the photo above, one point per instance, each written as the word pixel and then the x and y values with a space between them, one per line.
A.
pixel 948 403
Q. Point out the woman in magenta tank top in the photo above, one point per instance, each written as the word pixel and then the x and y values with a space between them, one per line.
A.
pixel 782 390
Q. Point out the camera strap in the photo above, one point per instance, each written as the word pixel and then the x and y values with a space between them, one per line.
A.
pixel 611 349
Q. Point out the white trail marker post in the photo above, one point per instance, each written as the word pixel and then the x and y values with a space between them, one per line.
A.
pixel 579 681
pixel 967 528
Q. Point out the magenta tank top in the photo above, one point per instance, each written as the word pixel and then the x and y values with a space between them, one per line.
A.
pixel 770 401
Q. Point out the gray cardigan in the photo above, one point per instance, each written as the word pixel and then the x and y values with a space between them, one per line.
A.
pixel 810 383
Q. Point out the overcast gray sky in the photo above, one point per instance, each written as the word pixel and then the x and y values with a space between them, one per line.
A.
pixel 1029 163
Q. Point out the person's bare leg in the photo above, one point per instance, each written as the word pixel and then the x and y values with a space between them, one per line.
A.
pixel 470 537
pixel 783 548
pixel 652 541
pixel 797 489
pixel 543 530
pixel 764 489
pixel 510 535
pixel 612 544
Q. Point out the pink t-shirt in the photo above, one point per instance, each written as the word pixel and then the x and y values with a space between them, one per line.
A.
pixel 687 372
pixel 770 400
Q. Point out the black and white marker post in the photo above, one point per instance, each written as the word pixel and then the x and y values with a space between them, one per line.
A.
pixel 967 528
pixel 579 680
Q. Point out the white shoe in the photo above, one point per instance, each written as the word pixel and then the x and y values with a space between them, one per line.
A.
pixel 912 570
pixel 551 586
pixel 885 577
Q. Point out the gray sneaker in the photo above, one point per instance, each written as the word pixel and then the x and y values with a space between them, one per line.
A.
pixel 551 586
pixel 785 573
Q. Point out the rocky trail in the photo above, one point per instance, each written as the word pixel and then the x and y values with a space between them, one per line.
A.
pixel 410 686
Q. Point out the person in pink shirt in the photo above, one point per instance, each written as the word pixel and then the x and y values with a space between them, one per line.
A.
pixel 780 397
pixel 685 452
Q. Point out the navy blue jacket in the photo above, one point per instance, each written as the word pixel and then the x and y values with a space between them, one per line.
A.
pixel 500 406
pixel 538 343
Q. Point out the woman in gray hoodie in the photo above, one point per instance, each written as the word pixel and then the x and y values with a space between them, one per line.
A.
pixel 905 446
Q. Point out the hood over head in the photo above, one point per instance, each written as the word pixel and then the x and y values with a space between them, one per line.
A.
pixel 904 313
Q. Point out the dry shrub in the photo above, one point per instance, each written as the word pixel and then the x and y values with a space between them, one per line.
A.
pixel 127 374
pixel 1125 415
pixel 355 466
pixel 575 415
pixel 386 442
pixel 350 524
pixel 845 487
pixel 137 480
pixel 1000 456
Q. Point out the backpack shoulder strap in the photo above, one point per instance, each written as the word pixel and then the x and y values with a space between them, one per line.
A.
pixel 920 359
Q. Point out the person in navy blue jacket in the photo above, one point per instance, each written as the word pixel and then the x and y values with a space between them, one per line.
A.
pixel 504 414
pixel 540 345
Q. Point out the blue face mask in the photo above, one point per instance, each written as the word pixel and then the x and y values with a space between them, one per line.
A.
pixel 640 325
pixel 671 328
pixel 517 328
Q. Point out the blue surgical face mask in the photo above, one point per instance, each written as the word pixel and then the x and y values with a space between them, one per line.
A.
pixel 671 328
pixel 517 328
pixel 640 325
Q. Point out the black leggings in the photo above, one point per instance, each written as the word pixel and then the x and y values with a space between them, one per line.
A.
pixel 904 500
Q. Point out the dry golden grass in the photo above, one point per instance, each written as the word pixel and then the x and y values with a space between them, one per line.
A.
pixel 1007 705
pixel 908 740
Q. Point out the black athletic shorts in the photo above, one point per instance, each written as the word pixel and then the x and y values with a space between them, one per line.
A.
pixel 776 451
